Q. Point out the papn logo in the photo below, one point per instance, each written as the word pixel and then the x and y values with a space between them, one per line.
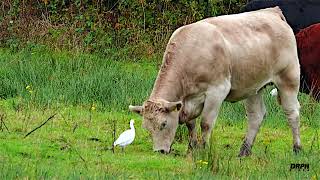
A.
pixel 299 167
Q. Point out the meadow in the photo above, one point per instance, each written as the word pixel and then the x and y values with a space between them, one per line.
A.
pixel 89 95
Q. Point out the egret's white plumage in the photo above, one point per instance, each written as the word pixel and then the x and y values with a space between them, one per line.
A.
pixel 126 137
pixel 274 92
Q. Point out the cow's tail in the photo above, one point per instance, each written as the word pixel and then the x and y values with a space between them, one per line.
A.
pixel 279 12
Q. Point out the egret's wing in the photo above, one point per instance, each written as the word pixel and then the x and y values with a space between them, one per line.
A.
pixel 124 138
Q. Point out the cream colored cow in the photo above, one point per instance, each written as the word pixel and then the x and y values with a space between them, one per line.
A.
pixel 225 58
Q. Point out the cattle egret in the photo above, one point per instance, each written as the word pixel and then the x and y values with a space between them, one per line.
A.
pixel 274 92
pixel 126 137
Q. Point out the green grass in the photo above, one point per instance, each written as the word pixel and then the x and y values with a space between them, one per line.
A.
pixel 73 79
pixel 76 143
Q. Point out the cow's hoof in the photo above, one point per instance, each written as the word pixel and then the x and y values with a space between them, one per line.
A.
pixel 297 149
pixel 244 153
pixel 245 150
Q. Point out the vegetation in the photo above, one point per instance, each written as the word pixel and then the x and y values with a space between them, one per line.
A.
pixel 86 61
pixel 90 95
pixel 122 29
pixel 41 78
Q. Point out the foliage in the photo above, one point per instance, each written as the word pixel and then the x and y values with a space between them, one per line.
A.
pixel 135 28
pixel 89 93
pixel 44 71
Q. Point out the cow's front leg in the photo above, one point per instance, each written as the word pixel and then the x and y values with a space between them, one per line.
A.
pixel 256 111
pixel 193 140
pixel 214 98
pixel 191 109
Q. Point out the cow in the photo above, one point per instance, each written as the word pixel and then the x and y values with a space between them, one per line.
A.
pixel 308 43
pixel 224 58
pixel 299 13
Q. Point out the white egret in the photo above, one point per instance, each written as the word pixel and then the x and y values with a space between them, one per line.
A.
pixel 126 137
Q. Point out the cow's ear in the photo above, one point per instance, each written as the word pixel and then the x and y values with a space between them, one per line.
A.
pixel 136 109
pixel 173 106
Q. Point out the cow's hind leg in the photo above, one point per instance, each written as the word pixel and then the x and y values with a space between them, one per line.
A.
pixel 256 111
pixel 214 98
pixel 288 85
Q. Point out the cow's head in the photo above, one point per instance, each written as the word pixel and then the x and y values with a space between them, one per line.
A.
pixel 160 118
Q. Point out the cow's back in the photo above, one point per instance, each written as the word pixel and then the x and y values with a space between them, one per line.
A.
pixel 258 43
pixel 248 48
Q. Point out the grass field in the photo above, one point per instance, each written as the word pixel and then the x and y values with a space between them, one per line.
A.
pixel 90 96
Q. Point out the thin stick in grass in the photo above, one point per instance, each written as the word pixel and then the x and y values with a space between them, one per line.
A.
pixel 114 134
pixel 2 122
pixel 77 152
pixel 39 126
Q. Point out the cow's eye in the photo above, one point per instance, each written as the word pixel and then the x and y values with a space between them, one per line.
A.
pixel 163 125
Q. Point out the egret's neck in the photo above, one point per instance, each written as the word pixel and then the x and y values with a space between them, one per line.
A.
pixel 131 126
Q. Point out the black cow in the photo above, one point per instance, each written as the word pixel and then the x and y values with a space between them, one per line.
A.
pixel 299 13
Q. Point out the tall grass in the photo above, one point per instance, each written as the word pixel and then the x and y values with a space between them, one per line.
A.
pixel 42 78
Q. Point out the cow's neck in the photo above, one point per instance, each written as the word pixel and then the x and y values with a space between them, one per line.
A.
pixel 167 87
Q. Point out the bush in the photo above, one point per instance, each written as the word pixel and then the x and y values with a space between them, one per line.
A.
pixel 135 28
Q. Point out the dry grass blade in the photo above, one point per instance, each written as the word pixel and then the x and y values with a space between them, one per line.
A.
pixel 39 126
pixel 114 134
pixel 2 116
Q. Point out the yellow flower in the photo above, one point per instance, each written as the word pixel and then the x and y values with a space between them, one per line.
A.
pixel 266 141
pixel 93 107
pixel 314 177
pixel 202 162
pixel 29 89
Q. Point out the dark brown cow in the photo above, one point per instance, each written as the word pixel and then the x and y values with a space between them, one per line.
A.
pixel 308 42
